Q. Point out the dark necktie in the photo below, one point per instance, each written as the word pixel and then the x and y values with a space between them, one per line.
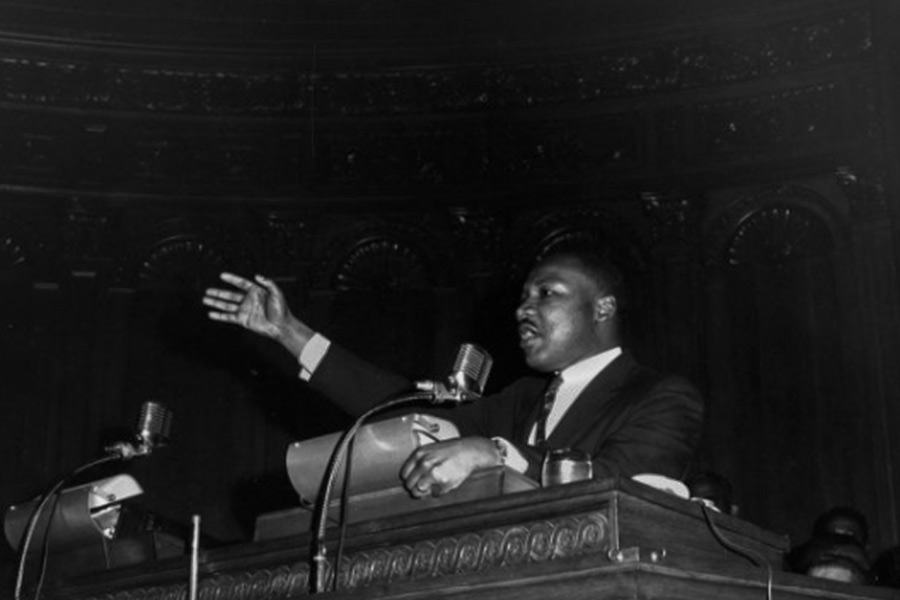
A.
pixel 540 432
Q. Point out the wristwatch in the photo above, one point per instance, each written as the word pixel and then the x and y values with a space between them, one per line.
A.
pixel 500 445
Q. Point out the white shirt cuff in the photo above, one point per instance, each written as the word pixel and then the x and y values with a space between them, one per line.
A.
pixel 515 460
pixel 312 354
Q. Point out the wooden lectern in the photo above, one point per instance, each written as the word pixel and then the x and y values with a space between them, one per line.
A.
pixel 587 540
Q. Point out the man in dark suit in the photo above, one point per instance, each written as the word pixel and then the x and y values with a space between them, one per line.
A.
pixel 629 419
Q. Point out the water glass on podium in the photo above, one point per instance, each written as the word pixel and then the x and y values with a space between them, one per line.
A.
pixel 565 465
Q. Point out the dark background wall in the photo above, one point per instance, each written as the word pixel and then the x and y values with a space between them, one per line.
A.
pixel 394 167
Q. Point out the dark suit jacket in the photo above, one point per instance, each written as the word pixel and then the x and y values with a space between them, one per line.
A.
pixel 629 419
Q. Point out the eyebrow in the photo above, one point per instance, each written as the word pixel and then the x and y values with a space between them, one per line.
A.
pixel 544 280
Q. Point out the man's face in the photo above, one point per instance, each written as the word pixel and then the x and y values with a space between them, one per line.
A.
pixel 558 316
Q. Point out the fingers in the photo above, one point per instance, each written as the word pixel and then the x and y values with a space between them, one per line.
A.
pixel 245 285
pixel 215 293
pixel 415 473
pixel 237 281
pixel 267 283
pixel 412 473
pixel 426 487
pixel 223 317
pixel 227 303
pixel 423 488
pixel 443 466
pixel 433 470
pixel 274 292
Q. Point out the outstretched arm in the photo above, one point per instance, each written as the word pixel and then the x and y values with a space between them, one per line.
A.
pixel 353 384
pixel 259 306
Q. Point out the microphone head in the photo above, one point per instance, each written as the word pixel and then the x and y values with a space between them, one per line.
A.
pixel 154 424
pixel 470 371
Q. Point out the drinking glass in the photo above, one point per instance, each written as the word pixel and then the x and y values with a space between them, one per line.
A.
pixel 565 465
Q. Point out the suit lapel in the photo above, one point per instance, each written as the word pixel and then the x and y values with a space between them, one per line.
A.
pixel 583 413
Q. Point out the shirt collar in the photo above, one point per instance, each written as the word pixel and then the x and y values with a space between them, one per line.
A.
pixel 587 369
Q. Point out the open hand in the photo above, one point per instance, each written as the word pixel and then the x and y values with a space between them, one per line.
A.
pixel 257 305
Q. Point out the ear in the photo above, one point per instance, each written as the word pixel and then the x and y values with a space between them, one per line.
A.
pixel 605 308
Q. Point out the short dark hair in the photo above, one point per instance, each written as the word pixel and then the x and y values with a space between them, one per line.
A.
pixel 597 265
pixel 843 521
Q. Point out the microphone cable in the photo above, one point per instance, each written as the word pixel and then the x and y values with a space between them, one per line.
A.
pixel 343 518
pixel 318 551
pixel 753 556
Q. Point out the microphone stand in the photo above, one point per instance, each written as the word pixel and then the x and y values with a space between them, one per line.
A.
pixel 317 570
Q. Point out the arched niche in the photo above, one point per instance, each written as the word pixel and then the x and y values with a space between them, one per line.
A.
pixel 780 409
pixel 375 292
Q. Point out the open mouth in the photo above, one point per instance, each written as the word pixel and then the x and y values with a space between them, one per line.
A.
pixel 528 333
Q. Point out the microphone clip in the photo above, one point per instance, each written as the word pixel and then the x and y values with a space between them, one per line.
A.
pixel 444 394
pixel 153 431
pixel 128 450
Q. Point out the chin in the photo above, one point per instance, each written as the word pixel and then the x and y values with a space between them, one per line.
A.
pixel 538 365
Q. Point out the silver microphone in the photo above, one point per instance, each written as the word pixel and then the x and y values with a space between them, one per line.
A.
pixel 154 425
pixel 466 381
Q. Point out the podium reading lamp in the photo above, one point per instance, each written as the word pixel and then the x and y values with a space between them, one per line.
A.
pixel 82 520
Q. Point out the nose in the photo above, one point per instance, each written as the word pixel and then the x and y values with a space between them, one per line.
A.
pixel 525 308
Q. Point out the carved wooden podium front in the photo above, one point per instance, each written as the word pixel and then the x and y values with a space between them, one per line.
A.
pixel 593 539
